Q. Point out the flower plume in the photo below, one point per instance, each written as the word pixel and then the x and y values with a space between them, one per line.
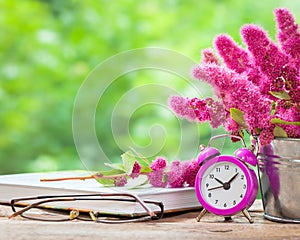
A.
pixel 258 88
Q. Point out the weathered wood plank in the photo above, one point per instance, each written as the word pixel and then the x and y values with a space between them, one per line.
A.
pixel 183 226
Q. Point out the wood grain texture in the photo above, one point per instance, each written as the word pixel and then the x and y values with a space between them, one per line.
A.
pixel 183 226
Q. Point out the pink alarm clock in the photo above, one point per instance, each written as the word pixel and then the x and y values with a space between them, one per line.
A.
pixel 226 185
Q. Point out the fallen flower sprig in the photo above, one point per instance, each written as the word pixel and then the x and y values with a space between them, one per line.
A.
pixel 159 172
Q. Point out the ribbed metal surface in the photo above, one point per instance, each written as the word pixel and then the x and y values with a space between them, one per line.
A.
pixel 279 164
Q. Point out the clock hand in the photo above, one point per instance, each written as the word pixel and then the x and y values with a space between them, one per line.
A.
pixel 215 188
pixel 234 177
pixel 225 185
pixel 219 181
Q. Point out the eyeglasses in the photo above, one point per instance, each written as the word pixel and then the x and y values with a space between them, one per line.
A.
pixel 54 208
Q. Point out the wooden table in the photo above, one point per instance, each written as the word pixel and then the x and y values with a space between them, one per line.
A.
pixel 183 227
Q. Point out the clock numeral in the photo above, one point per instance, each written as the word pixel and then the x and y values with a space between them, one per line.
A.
pixel 212 176
pixel 242 177
pixel 207 185
pixel 225 204
pixel 234 202
pixel 241 196
pixel 226 167
pixel 209 195
pixel 244 186
pixel 218 169
pixel 216 201
pixel 236 169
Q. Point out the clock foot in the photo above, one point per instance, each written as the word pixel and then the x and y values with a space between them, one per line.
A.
pixel 202 213
pixel 247 215
pixel 228 219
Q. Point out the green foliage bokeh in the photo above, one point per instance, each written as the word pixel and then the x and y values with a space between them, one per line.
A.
pixel 48 47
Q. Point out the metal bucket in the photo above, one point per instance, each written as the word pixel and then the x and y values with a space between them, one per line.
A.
pixel 279 167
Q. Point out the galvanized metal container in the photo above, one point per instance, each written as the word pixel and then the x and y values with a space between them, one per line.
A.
pixel 279 165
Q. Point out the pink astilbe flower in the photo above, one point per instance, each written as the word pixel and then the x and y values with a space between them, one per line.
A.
pixel 232 126
pixel 267 55
pixel 120 181
pixel 135 170
pixel 200 109
pixel 159 163
pixel 182 107
pixel 238 59
pixel 235 57
pixel 288 34
pixel 237 93
pixel 157 176
pixel 266 136
pixel 292 131
pixel 212 74
pixel 289 113
pixel 269 58
pixel 208 56
pixel 257 86
pixel 190 170
pixel 217 113
pixel 175 175
pixel 295 94
pixel 208 110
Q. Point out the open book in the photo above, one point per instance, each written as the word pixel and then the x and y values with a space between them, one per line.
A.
pixel 29 184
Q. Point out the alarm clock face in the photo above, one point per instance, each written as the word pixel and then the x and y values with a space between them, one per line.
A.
pixel 225 186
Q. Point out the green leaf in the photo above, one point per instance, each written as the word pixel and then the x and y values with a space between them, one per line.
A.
pixel 279 132
pixel 281 95
pixel 128 159
pixel 145 169
pixel 111 172
pixel 238 116
pixel 117 166
pixel 280 121
pixel 143 161
pixel 108 181
pixel 165 178
pixel 138 182
pixel 273 108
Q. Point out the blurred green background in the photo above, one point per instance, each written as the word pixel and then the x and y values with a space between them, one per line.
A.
pixel 48 47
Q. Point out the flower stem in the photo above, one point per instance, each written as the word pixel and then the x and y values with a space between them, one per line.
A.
pixel 93 176
pixel 69 178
